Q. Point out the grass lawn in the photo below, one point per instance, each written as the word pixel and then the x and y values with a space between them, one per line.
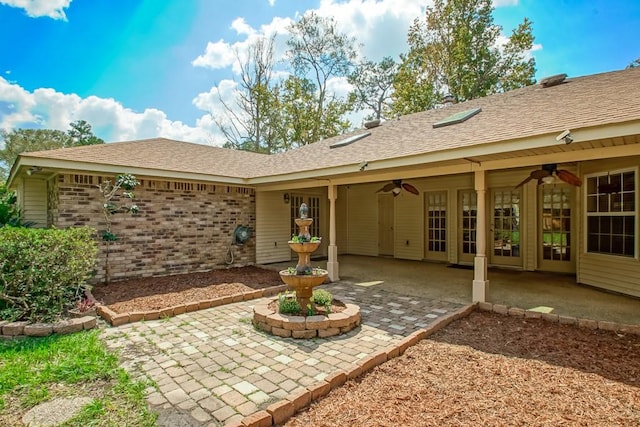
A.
pixel 34 370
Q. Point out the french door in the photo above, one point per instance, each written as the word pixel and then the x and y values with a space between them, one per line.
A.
pixel 506 248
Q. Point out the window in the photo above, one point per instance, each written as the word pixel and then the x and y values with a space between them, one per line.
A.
pixel 611 213
pixel 436 222
pixel 313 203
pixel 469 202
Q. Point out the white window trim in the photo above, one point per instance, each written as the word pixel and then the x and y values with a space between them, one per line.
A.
pixel 636 214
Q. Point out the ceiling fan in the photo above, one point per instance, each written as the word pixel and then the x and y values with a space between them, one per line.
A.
pixel 396 187
pixel 548 170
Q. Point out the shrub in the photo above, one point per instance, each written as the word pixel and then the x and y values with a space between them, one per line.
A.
pixel 322 297
pixel 42 271
pixel 287 303
pixel 9 212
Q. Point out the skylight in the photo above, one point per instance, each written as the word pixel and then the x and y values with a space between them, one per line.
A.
pixel 347 141
pixel 457 118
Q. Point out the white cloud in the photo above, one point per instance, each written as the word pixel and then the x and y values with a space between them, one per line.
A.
pixel 110 119
pixel 272 2
pixel 36 8
pixel 217 55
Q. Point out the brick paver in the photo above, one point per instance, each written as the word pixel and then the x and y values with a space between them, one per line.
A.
pixel 215 366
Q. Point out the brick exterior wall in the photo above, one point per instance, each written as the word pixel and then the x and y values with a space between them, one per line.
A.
pixel 182 227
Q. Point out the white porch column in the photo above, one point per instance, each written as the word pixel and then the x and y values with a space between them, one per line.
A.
pixel 480 281
pixel 332 261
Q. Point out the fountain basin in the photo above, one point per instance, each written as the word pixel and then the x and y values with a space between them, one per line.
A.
pixel 304 247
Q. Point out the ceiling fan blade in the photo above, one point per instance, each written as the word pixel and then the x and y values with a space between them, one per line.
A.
pixel 411 189
pixel 390 186
pixel 527 179
pixel 569 177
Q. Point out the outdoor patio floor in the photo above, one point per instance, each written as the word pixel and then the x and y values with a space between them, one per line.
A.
pixel 212 367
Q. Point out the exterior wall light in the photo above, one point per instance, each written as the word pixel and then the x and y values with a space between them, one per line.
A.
pixel 286 198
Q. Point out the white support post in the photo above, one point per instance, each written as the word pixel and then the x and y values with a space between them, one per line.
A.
pixel 332 261
pixel 480 290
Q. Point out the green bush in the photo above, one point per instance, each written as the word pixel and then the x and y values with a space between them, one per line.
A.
pixel 322 297
pixel 42 271
pixel 287 303
pixel 9 212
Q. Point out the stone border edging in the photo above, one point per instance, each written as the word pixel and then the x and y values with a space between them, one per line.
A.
pixel 278 413
pixel 604 325
pixel 117 319
pixel 11 330
pixel 286 326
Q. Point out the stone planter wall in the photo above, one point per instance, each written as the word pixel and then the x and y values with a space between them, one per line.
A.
pixel 10 330
pixel 286 326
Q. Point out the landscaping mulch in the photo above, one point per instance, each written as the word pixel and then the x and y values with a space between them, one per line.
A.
pixel 157 293
pixel 493 370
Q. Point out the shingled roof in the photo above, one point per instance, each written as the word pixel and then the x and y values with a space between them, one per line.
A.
pixel 521 114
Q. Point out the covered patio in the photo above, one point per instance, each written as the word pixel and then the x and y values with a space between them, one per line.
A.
pixel 513 288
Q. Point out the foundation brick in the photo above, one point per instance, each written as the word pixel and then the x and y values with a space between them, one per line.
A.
pixel 279 332
pixel 193 306
pixel 516 311
pixel 152 315
pixel 306 334
pixel 372 361
pixel 500 309
pixel 354 373
pixel 258 419
pixel 319 390
pixel 485 306
pixel 294 323
pixel 605 326
pixel 317 322
pixel 38 330
pixel 530 314
pixel 68 326
pixel 281 411
pixel 329 332
pixel 179 309
pixel 338 320
pixel 301 399
pixel 336 379
pixel 550 317
pixel 588 323
pixel 136 316
pixel 120 319
pixel 567 320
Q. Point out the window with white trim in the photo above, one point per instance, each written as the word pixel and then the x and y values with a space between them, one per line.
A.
pixel 611 212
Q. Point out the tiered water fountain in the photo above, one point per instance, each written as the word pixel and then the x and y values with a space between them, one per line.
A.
pixel 302 279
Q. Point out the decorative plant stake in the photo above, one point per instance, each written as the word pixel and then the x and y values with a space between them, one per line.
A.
pixel 109 190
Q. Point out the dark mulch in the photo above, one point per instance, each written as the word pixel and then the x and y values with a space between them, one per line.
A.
pixel 157 293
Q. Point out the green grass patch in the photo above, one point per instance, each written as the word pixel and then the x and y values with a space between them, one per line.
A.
pixel 34 370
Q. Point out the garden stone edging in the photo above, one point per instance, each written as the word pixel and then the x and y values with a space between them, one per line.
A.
pixel 117 319
pixel 604 325
pixel 279 412
pixel 11 330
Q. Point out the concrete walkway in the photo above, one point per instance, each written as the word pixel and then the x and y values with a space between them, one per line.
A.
pixel 212 367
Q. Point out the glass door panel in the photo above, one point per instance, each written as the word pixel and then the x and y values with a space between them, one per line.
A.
pixel 506 227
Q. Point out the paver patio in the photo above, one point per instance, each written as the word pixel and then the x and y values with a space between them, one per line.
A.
pixel 212 367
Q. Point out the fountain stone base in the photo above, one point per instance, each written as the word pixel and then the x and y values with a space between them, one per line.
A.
pixel 289 326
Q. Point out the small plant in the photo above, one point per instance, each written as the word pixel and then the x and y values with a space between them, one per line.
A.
pixel 291 270
pixel 315 239
pixel 311 311
pixel 287 303
pixel 322 298
pixel 84 304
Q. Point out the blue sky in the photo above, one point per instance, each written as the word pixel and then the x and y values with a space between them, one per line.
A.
pixel 146 68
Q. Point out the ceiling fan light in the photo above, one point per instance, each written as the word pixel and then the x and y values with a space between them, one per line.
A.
pixel 549 179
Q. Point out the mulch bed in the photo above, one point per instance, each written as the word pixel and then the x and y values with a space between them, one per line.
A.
pixel 157 293
pixel 493 370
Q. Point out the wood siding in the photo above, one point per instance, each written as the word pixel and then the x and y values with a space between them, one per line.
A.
pixel 615 273
pixel 272 228
pixel 34 202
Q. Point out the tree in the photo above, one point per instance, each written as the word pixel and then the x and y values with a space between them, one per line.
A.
pixel 81 134
pixel 454 51
pixel 318 52
pixel 253 124
pixel 301 125
pixel 373 86
pixel 635 63
pixel 21 140
pixel 26 140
